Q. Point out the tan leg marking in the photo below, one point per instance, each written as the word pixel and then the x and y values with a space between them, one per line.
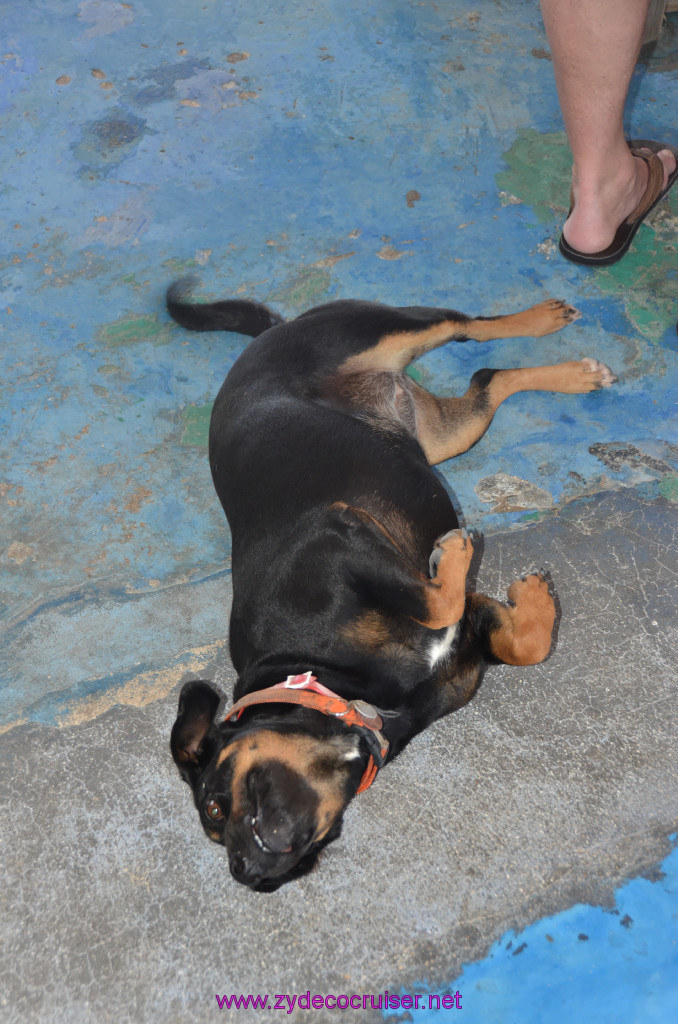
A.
pixel 446 594
pixel 369 632
pixel 576 378
pixel 394 351
pixel 524 637
pixel 544 318
pixel 448 426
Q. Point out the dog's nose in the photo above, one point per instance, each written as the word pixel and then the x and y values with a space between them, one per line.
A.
pixel 243 870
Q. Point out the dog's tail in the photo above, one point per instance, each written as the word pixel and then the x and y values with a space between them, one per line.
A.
pixel 238 315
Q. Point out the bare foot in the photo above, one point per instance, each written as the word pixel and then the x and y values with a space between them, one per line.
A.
pixel 601 207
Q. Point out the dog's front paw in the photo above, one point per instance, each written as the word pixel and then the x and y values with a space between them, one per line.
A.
pixel 456 545
pixel 536 586
pixel 532 611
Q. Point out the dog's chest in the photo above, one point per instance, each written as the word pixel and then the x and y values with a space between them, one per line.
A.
pixel 443 646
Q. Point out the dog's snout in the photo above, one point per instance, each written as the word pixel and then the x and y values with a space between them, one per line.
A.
pixel 238 866
pixel 258 785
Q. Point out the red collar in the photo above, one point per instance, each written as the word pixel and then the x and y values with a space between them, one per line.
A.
pixel 309 693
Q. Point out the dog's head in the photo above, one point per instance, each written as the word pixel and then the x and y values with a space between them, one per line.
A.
pixel 268 790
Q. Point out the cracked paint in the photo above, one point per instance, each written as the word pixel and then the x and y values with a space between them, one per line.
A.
pixel 616 454
pixel 511 494
pixel 143 689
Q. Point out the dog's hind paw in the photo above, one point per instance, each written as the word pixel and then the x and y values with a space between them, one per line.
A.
pixel 602 375
pixel 551 315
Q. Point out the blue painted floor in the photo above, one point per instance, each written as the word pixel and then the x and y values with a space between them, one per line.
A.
pixel 375 155
pixel 587 963
pixel 407 152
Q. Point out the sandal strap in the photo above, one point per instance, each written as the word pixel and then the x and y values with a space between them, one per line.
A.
pixel 654 188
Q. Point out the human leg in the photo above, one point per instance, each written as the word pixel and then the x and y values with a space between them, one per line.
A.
pixel 595 47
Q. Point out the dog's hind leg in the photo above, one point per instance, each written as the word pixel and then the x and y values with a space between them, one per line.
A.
pixel 401 335
pixel 446 427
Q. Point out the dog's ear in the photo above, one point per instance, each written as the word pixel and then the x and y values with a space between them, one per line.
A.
pixel 191 750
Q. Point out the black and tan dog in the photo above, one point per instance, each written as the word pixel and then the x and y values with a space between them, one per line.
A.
pixel 351 629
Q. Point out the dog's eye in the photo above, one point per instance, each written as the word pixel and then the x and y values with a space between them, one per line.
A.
pixel 213 810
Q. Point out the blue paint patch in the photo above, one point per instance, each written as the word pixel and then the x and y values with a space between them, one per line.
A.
pixel 108 142
pixel 670 339
pixel 163 81
pixel 272 152
pixel 585 964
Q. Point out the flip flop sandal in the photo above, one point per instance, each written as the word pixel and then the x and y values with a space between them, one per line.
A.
pixel 654 193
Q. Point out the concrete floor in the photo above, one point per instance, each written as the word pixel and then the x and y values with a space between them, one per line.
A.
pixel 410 153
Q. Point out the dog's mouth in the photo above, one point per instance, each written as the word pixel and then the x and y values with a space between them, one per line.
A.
pixel 267 845
pixel 262 854
pixel 257 838
pixel 273 819
pixel 272 837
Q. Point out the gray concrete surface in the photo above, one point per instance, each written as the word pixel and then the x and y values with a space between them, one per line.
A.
pixel 554 785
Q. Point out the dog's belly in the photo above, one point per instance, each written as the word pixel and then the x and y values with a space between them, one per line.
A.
pixel 382 398
pixel 274 461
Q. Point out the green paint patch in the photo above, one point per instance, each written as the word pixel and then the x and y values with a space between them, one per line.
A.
pixel 178 268
pixel 646 280
pixel 133 281
pixel 535 517
pixel 196 424
pixel 415 373
pixel 130 330
pixel 668 487
pixel 307 289
pixel 538 174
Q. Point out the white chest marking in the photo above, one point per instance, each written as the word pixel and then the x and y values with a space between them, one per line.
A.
pixel 441 647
